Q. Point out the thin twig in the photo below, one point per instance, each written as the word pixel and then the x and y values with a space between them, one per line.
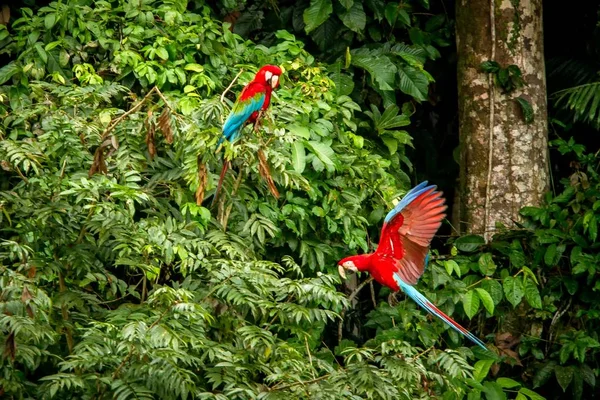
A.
pixel 162 96
pixel 309 356
pixel 373 294
pixel 422 353
pixel 116 373
pixel 160 317
pixel 231 84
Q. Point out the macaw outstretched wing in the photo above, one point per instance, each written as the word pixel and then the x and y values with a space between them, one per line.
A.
pixel 409 227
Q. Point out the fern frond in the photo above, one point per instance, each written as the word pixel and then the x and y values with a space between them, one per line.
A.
pixel 582 101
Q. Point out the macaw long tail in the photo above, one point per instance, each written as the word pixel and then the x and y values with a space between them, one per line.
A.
pixel 433 310
pixel 221 177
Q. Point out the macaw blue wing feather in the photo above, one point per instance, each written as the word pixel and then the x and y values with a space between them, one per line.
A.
pixel 406 200
pixel 242 110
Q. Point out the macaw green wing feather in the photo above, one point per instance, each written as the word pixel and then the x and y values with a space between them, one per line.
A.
pixel 241 111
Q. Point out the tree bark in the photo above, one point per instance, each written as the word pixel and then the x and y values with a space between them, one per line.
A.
pixel 504 160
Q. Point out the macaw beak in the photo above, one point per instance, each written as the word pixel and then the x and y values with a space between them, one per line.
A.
pixel 342 270
pixel 274 81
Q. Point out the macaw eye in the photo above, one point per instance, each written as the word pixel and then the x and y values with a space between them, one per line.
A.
pixel 349 264
pixel 268 75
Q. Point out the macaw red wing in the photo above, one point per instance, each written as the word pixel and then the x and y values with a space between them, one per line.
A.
pixel 408 230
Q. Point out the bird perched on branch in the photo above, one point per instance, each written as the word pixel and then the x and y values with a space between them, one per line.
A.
pixel 248 108
pixel 403 250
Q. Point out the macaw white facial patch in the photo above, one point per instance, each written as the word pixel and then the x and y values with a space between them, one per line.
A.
pixel 274 81
pixel 268 75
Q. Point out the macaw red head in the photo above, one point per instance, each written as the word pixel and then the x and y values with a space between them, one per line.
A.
pixel 353 264
pixel 269 74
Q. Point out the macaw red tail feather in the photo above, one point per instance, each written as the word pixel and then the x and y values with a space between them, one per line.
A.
pixel 433 310
pixel 221 177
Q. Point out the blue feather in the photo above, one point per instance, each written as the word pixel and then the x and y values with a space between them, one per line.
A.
pixel 422 301
pixel 410 196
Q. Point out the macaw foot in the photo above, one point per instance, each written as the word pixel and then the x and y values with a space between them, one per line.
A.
pixel 257 122
pixel 257 126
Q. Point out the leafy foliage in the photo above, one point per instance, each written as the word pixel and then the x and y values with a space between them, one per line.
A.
pixel 117 282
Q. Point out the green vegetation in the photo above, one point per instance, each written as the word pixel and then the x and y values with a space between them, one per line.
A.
pixel 117 281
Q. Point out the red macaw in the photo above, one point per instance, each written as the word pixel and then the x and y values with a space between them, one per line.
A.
pixel 254 99
pixel 402 255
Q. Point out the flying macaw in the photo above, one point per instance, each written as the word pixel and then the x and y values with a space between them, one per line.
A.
pixel 254 99
pixel 402 255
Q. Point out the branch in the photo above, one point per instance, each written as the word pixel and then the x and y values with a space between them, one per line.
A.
pixel 231 84
pixel 350 298
pixel 358 289
pixel 133 109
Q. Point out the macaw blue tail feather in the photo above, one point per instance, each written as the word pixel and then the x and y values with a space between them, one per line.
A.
pixel 221 139
pixel 433 310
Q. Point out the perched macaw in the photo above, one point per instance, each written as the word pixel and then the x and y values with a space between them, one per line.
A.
pixel 254 99
pixel 403 250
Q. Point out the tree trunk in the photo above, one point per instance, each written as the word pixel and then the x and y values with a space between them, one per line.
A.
pixel 504 160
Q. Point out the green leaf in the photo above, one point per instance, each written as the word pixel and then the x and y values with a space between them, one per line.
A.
pixel 494 288
pixel 469 243
pixel 49 20
pixel 41 52
pixel 470 303
pixel 486 299
pixel 323 152
pixel 531 394
pixel 391 12
pixel 513 290
pixel 551 256
pixel 486 264
pixel 526 109
pixel 317 13
pixel 450 266
pixel 298 157
pixel 489 66
pixel 380 67
pixel 493 391
pixel 8 71
pixel 347 3
pixel 532 294
pixel 391 143
pixel 299 131
pixel 403 17
pixel 355 18
pixel 481 369
pixel 344 84
pixel 162 53
pixel 564 376
pixel 507 383
pixel 194 67
pixel 413 82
